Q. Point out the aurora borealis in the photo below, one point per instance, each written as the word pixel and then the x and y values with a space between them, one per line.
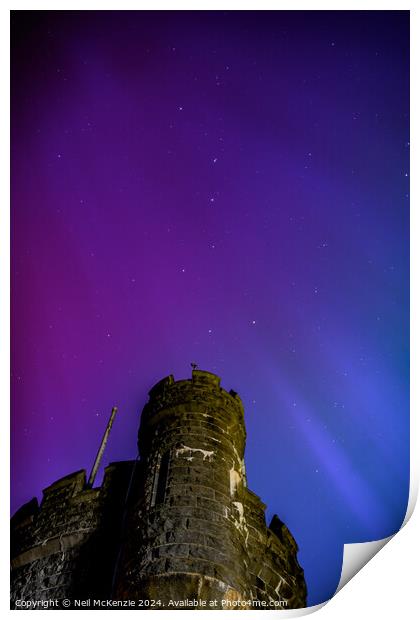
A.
pixel 231 189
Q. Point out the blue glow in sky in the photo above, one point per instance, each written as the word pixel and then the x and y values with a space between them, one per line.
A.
pixel 231 189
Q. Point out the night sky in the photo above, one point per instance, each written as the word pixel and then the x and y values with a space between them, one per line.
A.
pixel 229 189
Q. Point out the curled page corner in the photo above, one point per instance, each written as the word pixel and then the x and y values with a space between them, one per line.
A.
pixel 413 495
pixel 357 555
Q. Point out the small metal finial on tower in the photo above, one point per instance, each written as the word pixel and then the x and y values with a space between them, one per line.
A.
pixel 194 366
pixel 101 450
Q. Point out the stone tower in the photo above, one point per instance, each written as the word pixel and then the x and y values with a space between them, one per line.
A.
pixel 195 531
pixel 176 526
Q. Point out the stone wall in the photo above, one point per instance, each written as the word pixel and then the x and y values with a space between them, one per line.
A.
pixel 67 546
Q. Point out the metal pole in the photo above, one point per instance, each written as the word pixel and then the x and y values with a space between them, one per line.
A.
pixel 101 449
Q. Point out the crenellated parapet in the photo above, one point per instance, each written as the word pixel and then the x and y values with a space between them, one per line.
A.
pixel 203 389
pixel 70 537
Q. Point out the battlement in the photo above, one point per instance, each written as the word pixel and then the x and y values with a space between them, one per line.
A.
pixel 199 379
pixel 201 391
pixel 69 485
pixel 68 514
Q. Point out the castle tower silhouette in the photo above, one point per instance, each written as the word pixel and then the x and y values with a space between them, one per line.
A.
pixel 177 528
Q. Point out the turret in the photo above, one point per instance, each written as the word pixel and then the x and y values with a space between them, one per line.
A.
pixel 187 531
pixel 194 531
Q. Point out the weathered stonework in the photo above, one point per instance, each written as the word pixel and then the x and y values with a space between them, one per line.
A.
pixel 178 524
pixel 67 546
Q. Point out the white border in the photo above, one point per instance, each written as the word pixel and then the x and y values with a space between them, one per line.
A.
pixel 388 585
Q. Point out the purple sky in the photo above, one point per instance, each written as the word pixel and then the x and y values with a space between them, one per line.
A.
pixel 225 188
